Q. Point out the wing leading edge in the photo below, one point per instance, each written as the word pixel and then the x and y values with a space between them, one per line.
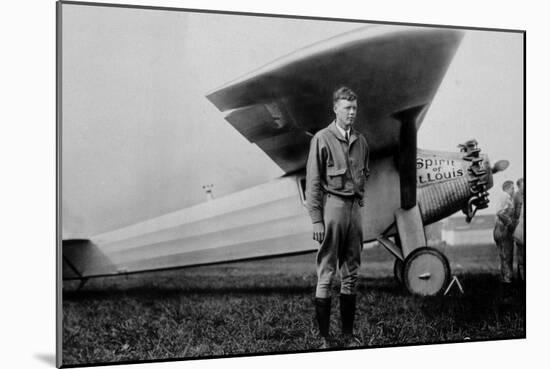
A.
pixel 280 106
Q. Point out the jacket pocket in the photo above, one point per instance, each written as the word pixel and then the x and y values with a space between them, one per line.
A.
pixel 335 178
pixel 362 176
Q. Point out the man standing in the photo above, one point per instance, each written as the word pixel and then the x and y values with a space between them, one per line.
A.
pixel 337 169
pixel 504 228
pixel 519 238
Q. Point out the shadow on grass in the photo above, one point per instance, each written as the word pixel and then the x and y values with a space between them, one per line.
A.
pixel 251 285
pixel 167 292
pixel 486 287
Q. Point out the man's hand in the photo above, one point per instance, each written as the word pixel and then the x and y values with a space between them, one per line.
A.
pixel 319 232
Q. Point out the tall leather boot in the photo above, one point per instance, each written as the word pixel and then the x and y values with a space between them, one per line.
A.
pixel 322 314
pixel 347 313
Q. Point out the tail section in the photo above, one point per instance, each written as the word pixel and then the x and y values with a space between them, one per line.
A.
pixel 80 257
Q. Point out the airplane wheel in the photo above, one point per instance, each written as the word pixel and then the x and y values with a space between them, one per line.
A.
pixel 398 270
pixel 426 271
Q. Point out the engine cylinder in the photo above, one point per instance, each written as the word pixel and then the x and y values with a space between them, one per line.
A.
pixel 440 200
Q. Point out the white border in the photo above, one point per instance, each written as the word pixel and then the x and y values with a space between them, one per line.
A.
pixel 28 186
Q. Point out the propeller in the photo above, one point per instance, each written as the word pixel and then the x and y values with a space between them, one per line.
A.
pixel 500 166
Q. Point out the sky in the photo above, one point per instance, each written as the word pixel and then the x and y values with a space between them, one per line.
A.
pixel 139 138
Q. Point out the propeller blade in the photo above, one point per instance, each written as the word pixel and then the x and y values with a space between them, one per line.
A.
pixel 500 166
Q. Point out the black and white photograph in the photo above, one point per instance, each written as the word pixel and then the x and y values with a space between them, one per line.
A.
pixel 237 184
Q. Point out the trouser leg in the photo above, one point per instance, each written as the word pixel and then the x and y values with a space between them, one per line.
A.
pixel 507 259
pixel 520 257
pixel 327 256
pixel 350 252
pixel 505 251
pixel 350 262
pixel 326 263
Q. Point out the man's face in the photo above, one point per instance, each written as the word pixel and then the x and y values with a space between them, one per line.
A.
pixel 345 111
pixel 510 190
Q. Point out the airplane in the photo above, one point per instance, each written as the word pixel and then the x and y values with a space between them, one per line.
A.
pixel 396 72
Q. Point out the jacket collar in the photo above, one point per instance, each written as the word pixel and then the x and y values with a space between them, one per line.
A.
pixel 352 134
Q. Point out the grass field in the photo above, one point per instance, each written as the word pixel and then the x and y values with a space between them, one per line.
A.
pixel 266 306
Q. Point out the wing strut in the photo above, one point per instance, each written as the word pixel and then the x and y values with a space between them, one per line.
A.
pixel 406 161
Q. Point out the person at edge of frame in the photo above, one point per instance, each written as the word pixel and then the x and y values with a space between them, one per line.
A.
pixel 504 228
pixel 519 239
pixel 337 169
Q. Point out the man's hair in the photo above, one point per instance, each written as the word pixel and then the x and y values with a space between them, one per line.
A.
pixel 343 93
pixel 507 184
pixel 519 182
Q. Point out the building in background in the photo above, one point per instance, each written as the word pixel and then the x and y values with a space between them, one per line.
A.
pixel 433 234
pixel 455 230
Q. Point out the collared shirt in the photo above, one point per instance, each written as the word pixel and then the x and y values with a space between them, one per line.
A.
pixel 343 132
pixel 518 204
pixel 335 167
pixel 505 201
pixel 505 211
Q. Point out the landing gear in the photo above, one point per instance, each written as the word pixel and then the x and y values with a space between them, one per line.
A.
pixel 398 270
pixel 398 264
pixel 426 271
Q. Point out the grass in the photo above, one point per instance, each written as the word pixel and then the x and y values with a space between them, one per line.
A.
pixel 266 307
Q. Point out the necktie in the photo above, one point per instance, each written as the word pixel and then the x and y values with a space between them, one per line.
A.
pixel 347 136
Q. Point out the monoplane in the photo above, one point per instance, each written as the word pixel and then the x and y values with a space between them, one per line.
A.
pixel 396 72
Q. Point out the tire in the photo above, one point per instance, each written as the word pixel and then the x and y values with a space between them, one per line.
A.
pixel 426 272
pixel 398 270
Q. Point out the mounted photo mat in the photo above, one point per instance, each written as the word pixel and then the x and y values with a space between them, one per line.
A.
pixel 185 216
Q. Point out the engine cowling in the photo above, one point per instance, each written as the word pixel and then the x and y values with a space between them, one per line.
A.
pixel 448 182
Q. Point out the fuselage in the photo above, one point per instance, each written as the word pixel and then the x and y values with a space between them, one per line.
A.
pixel 271 219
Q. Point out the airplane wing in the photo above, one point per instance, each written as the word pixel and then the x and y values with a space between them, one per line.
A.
pixel 280 106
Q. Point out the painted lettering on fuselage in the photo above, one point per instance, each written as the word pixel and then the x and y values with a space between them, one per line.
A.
pixel 432 169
